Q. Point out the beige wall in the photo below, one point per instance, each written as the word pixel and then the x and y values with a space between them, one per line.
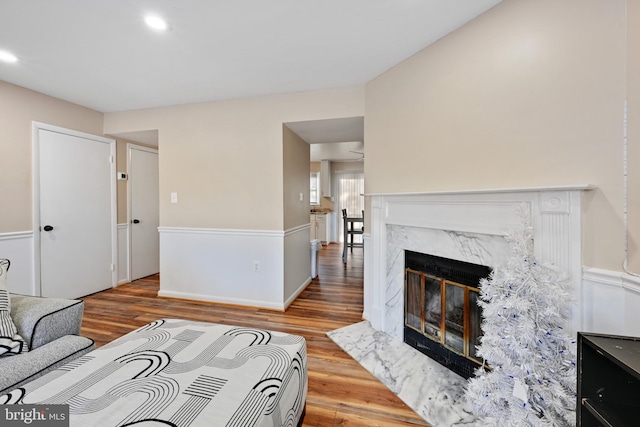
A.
pixel 18 108
pixel 121 166
pixel 633 137
pixel 225 159
pixel 529 94
pixel 295 162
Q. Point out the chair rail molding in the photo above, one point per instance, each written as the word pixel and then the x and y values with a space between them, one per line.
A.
pixel 611 301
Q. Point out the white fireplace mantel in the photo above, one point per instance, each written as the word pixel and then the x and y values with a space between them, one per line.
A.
pixel 470 226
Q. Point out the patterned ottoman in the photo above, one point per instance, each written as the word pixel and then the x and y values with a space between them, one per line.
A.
pixel 181 373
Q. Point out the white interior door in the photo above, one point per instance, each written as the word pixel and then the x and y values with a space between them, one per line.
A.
pixel 75 212
pixel 144 213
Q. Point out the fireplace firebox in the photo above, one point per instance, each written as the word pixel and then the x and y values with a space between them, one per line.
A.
pixel 441 313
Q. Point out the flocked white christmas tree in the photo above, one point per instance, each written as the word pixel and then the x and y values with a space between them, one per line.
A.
pixel 531 375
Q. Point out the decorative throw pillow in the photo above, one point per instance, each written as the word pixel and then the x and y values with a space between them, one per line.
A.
pixel 10 341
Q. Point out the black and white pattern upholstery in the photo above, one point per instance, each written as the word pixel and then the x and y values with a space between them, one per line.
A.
pixel 10 342
pixel 181 373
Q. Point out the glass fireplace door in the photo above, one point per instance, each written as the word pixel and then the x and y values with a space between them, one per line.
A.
pixel 444 311
pixel 432 307
pixel 412 298
pixel 454 324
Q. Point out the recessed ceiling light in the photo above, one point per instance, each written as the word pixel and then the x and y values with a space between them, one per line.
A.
pixel 156 23
pixel 7 56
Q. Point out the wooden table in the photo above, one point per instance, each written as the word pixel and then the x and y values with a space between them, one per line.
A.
pixel 349 231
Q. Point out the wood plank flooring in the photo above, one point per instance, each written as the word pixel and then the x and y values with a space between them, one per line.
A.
pixel 341 392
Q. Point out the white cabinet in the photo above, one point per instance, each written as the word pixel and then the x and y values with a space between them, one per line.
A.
pixel 320 229
pixel 314 228
pixel 325 178
pixel 332 230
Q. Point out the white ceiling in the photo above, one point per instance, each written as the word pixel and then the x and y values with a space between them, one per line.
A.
pixel 338 152
pixel 147 137
pixel 330 130
pixel 332 139
pixel 100 54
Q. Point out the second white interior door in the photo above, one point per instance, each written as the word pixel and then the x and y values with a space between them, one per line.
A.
pixel 144 211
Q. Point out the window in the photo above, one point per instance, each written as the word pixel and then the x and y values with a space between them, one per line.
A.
pixel 348 189
pixel 314 188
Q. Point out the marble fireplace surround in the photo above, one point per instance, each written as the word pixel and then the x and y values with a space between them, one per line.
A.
pixel 468 226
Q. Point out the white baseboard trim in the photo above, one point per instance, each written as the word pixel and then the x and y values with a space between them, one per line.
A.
pixel 222 300
pixel 296 294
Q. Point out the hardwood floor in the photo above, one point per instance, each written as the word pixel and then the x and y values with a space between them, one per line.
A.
pixel 341 392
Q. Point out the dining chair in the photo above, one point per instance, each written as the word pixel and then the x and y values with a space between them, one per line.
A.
pixel 350 231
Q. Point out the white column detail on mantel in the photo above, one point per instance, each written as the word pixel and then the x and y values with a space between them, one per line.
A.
pixel 469 226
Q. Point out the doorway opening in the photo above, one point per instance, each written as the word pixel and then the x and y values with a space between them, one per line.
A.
pixel 349 190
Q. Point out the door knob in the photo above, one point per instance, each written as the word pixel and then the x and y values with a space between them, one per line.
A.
pixel 136 221
pixel 47 228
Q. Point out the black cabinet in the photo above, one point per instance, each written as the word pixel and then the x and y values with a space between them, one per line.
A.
pixel 608 381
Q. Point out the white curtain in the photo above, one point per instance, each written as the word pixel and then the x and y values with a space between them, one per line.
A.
pixel 348 190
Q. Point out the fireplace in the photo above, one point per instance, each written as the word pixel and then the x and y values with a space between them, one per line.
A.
pixel 462 225
pixel 468 226
pixel 441 313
